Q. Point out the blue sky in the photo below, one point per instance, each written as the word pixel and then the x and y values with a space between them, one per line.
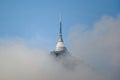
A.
pixel 37 21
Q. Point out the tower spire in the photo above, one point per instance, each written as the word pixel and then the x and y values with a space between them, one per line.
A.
pixel 60 33
pixel 60 44
pixel 60 25
pixel 60 48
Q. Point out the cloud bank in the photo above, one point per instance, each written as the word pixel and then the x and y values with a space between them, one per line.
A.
pixel 97 47
pixel 18 61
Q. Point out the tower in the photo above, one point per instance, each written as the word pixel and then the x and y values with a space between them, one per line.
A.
pixel 60 49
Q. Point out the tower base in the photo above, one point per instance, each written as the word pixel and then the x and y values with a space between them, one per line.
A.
pixel 59 53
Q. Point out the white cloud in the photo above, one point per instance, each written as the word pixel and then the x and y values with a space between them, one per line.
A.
pixel 99 46
pixel 18 61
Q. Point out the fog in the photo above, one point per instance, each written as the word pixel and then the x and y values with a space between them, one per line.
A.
pixel 95 55
pixel 99 46
pixel 18 61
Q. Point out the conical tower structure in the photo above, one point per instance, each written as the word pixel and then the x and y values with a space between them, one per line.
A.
pixel 60 48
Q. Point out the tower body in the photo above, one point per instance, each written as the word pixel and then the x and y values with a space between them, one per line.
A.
pixel 60 49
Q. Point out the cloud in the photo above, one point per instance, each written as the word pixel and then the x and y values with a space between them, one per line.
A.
pixel 99 46
pixel 18 61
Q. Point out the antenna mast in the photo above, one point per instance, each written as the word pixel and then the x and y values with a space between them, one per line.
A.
pixel 60 25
